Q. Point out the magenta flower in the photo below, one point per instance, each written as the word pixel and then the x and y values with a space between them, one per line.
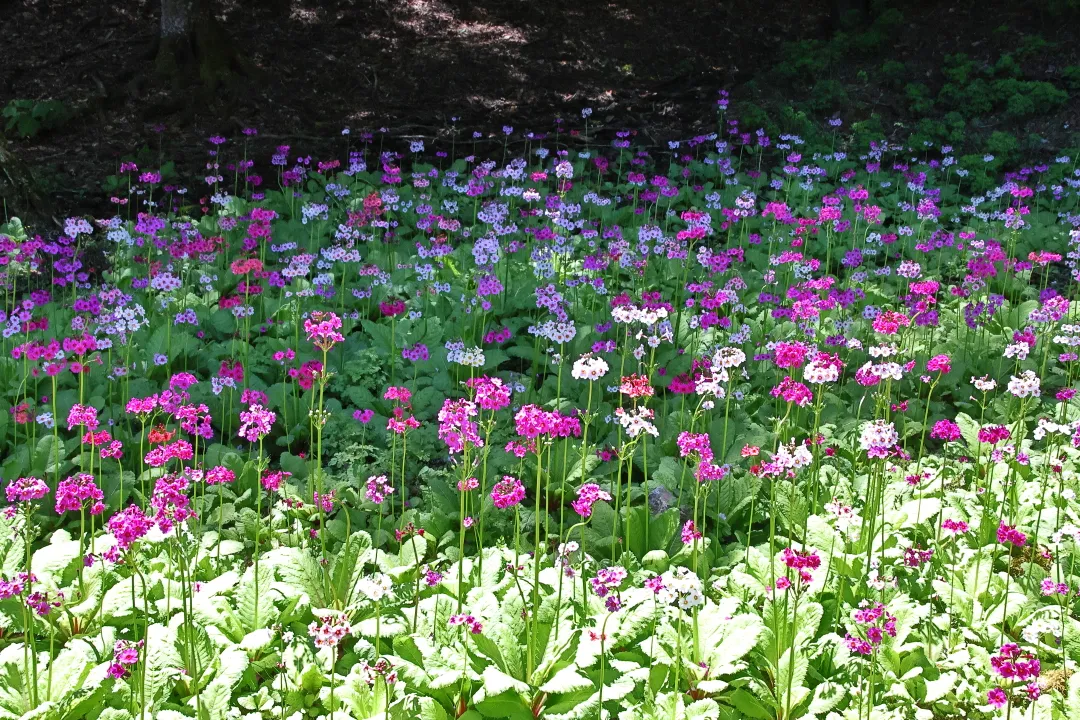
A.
pixel 322 330
pixel 83 415
pixel 956 527
pixel 804 562
pixel 694 443
pixel 219 475
pixel 142 406
pixel 456 429
pixel 690 533
pixel 378 489
pixel 532 421
pixel 26 489
pixel 793 392
pixel 490 393
pixel 75 492
pixel 1012 663
pixel 939 363
pixel 789 355
pixel 125 654
pixel 507 493
pixel 400 394
pixel 588 495
pixel 469 622
pixel 256 422
pixel 946 430
pixel 1010 535
pixel 171 502
pixel 993 434
pixel 129 525
pixel 272 480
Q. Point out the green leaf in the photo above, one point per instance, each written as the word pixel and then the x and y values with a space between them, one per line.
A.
pixel 566 680
pixel 662 530
pixel 431 710
pixel 162 661
pixel 749 705
pixel 348 566
pixel 299 574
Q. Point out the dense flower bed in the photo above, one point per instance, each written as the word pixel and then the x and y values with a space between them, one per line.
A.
pixel 733 428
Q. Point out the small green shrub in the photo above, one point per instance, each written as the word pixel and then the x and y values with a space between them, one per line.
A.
pixel 27 118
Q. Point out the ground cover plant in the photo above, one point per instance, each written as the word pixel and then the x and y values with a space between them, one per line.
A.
pixel 734 427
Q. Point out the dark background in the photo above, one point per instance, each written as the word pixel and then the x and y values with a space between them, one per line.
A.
pixel 83 84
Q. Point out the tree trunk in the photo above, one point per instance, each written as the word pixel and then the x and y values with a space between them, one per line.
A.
pixel 193 45
pixel 19 196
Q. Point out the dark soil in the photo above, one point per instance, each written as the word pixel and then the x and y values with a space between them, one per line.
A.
pixel 411 66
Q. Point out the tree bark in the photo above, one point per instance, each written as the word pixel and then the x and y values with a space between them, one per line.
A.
pixel 19 194
pixel 193 45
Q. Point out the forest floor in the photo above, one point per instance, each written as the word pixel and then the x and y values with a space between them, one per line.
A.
pixel 413 65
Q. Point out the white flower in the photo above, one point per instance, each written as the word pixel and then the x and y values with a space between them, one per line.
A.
pixel 818 373
pixel 984 384
pixel 878 434
pixel 1017 350
pixel 880 351
pixel 729 357
pixel 375 587
pixel 889 370
pixel 1027 385
pixel 589 367
pixel 636 421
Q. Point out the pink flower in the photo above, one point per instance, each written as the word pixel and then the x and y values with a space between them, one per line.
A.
pixel 83 415
pixel 171 502
pixel 129 525
pixel 273 479
pixel 378 489
pixel 939 363
pixel 890 321
pixel 793 392
pixel 114 450
pixel 690 533
pixel 588 495
pixel 946 430
pixel 491 393
pixel 803 562
pixel 690 443
pixel 400 394
pixel 507 493
pixel 26 489
pixel 788 355
pixel 142 406
pixel 456 429
pixel 956 527
pixel 219 475
pixel 1010 535
pixel 322 330
pixel 469 622
pixel 636 386
pixel 255 423
pixel 76 491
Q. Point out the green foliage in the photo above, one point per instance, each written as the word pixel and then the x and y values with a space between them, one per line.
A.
pixel 28 118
